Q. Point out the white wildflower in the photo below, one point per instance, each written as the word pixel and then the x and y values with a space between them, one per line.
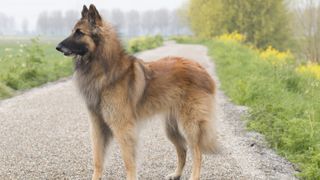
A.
pixel 7 49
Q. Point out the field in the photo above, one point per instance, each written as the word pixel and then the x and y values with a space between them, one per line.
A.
pixel 27 63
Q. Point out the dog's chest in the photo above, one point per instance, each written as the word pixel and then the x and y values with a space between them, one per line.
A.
pixel 90 89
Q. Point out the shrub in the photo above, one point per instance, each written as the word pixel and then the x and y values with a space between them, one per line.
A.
pixel 185 39
pixel 29 64
pixel 235 36
pixel 276 57
pixel 5 91
pixel 28 72
pixel 143 43
pixel 310 69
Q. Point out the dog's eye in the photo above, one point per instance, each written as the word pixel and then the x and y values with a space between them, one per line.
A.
pixel 79 32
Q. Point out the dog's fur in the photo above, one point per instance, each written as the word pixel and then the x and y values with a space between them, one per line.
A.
pixel 121 90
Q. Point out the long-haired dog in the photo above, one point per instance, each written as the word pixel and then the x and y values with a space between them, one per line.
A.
pixel 121 90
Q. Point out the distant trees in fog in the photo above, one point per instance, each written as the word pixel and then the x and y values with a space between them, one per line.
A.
pixel 129 24
pixel 55 23
pixel 7 24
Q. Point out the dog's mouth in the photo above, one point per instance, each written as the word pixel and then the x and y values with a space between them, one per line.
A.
pixel 65 51
pixel 68 53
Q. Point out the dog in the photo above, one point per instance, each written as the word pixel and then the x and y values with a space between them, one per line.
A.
pixel 121 90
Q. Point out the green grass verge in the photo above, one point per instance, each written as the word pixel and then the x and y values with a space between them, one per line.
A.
pixel 143 43
pixel 29 63
pixel 186 39
pixel 284 106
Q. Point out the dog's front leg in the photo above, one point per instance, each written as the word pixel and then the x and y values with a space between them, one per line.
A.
pixel 126 137
pixel 100 137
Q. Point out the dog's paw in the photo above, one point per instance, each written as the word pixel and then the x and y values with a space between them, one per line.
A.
pixel 173 176
pixel 96 176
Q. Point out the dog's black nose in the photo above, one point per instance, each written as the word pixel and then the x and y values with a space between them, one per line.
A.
pixel 59 48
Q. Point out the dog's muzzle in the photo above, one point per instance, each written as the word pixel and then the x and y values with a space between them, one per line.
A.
pixel 64 50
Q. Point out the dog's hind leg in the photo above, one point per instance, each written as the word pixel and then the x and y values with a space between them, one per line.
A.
pixel 176 138
pixel 192 135
pixel 196 162
pixel 100 137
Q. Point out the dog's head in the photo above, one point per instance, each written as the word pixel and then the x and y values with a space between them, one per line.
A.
pixel 84 38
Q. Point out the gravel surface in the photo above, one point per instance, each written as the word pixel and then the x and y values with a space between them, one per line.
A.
pixel 44 134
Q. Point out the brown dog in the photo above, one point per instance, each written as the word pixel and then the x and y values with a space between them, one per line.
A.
pixel 121 90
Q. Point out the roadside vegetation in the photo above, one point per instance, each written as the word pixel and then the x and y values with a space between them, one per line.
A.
pixel 267 58
pixel 283 98
pixel 265 22
pixel 143 43
pixel 29 63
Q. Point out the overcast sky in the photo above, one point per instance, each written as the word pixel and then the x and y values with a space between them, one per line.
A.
pixel 29 9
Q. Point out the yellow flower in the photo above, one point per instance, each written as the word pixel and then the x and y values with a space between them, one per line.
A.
pixel 235 36
pixel 276 57
pixel 311 68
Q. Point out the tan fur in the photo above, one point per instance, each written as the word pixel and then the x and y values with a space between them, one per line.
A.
pixel 121 90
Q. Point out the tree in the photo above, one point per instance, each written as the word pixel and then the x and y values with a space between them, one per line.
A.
pixel 118 19
pixel 162 16
pixel 70 18
pixel 133 23
pixel 264 22
pixel 148 22
pixel 7 24
pixel 56 25
pixel 206 17
pixel 307 28
pixel 25 26
pixel 43 23
pixel 181 16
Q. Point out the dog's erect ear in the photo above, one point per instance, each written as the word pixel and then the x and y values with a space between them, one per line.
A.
pixel 84 12
pixel 94 16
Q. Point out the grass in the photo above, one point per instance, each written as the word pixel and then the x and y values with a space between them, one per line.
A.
pixel 143 43
pixel 284 105
pixel 27 63
pixel 186 39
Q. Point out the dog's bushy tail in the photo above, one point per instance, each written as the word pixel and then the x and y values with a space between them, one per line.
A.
pixel 208 134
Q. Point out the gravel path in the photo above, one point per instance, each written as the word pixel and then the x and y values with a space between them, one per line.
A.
pixel 44 134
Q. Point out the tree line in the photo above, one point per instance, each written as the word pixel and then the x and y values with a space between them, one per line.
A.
pixel 7 24
pixel 283 24
pixel 130 23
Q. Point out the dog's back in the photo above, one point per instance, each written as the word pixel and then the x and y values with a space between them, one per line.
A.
pixel 172 81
